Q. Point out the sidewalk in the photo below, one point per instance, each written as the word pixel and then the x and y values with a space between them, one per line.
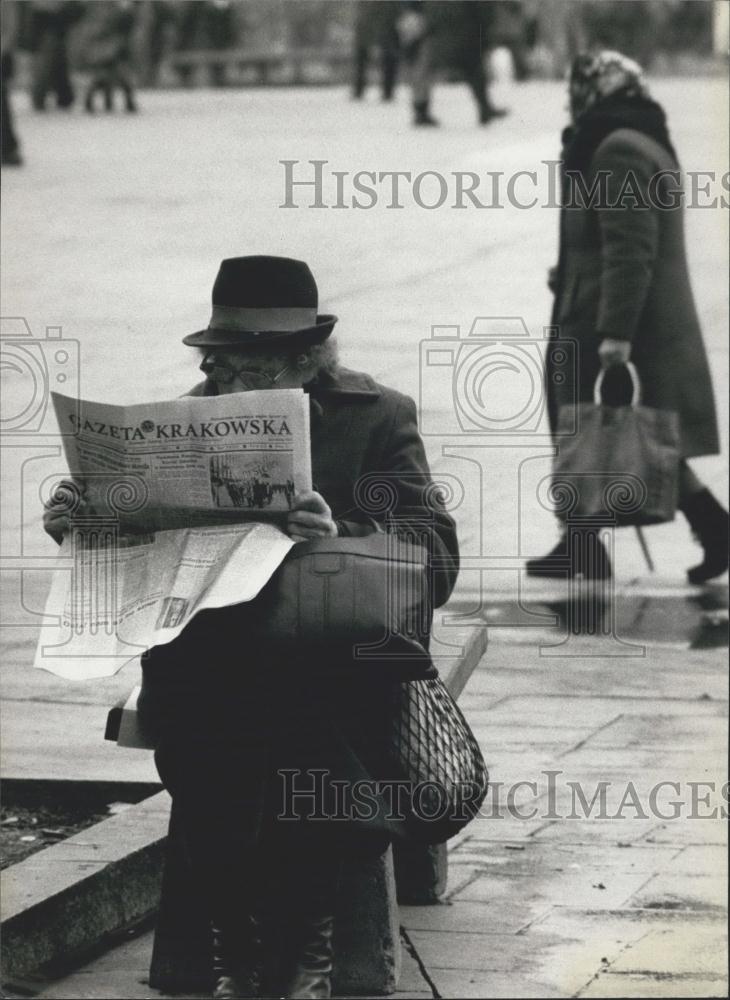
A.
pixel 631 906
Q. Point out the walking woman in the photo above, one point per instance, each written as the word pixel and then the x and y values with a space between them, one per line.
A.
pixel 622 288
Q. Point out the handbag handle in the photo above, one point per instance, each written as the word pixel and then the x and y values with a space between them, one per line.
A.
pixel 635 382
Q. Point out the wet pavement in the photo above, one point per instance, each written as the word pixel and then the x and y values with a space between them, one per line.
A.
pixel 693 618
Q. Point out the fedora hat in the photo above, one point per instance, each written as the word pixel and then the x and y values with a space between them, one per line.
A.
pixel 263 303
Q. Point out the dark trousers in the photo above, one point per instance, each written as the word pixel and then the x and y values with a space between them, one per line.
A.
pixel 218 792
pixel 50 71
pixel 476 79
pixel 224 756
pixel 106 81
pixel 7 131
pixel 389 70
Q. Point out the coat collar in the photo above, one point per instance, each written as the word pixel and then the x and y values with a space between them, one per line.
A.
pixel 344 382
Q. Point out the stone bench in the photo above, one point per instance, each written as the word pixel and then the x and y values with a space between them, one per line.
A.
pixel 293 67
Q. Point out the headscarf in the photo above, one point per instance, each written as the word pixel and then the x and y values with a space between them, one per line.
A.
pixel 595 77
pixel 608 92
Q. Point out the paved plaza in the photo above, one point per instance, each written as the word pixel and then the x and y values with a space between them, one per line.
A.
pixel 542 902
pixel 114 230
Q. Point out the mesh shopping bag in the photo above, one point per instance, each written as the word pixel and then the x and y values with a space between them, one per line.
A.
pixel 432 750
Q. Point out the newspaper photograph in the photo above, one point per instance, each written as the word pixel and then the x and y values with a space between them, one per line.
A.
pixel 114 596
pixel 189 461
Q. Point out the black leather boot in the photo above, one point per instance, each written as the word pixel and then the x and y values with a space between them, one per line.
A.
pixel 312 975
pixel 237 958
pixel 487 113
pixel 422 115
pixel 587 558
pixel 709 522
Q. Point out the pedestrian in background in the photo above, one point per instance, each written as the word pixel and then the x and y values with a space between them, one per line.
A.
pixel 622 288
pixel 375 30
pixel 414 34
pixel 109 54
pixel 470 24
pixel 204 24
pixel 51 21
pixel 10 146
pixel 455 34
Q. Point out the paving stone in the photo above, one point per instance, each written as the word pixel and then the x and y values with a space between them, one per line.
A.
pixel 486 983
pixel 65 741
pixel 689 832
pixel 687 892
pixel 700 763
pixel 601 676
pixel 596 831
pixel 537 856
pixel 22 683
pixel 558 964
pixel 609 985
pixel 595 888
pixel 594 711
pixel 411 978
pixel 619 927
pixel 708 859
pixel 695 949
pixel 491 825
pixel 547 738
pixel 459 875
pixel 473 951
pixel 499 916
pixel 90 984
pixel 662 730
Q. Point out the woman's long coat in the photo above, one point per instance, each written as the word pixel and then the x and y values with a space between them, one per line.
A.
pixel 622 273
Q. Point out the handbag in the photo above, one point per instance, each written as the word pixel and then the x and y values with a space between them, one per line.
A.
pixel 361 602
pixel 432 750
pixel 622 465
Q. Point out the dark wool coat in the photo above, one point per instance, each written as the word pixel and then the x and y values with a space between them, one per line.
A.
pixel 622 273
pixel 207 693
pixel 369 464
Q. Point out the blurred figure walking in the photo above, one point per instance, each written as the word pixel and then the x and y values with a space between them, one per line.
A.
pixel 51 21
pixel 460 30
pixel 109 53
pixel 472 25
pixel 414 34
pixel 205 24
pixel 375 30
pixel 10 146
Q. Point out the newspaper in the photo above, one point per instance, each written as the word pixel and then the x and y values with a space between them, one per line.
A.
pixel 222 470
pixel 190 461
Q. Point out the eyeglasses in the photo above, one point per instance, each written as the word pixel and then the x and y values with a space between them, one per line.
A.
pixel 224 374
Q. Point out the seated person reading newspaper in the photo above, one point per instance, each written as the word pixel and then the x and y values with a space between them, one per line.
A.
pixel 229 730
